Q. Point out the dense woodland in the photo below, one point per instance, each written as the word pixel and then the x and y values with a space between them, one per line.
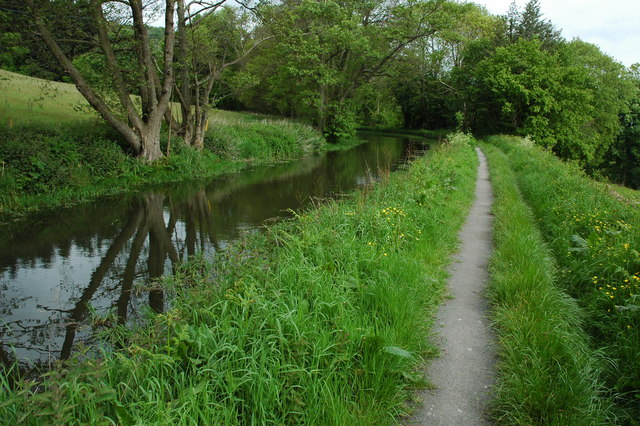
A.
pixel 338 65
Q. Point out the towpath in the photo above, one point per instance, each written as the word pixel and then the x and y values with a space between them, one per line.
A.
pixel 464 374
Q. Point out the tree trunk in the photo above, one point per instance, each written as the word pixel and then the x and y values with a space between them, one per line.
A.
pixel 150 143
pixel 200 128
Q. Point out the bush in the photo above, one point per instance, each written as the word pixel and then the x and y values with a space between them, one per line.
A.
pixel 39 159
pixel 265 140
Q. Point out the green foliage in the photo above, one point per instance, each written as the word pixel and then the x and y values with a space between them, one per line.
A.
pixel 330 50
pixel 622 161
pixel 423 80
pixel 594 238
pixel 567 100
pixel 529 25
pixel 39 159
pixel 377 107
pixel 317 321
pixel 341 122
pixel 548 374
pixel 22 50
pixel 266 140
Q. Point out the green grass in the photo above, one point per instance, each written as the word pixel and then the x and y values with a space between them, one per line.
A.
pixel 28 100
pixel 595 240
pixel 548 374
pixel 623 193
pixel 320 320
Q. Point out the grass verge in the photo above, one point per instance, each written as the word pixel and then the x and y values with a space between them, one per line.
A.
pixel 321 320
pixel 595 241
pixel 547 372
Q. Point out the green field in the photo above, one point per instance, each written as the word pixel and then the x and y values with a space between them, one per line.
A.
pixel 28 100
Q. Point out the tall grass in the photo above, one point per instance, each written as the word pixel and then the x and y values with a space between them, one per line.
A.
pixel 547 372
pixel 262 140
pixel 595 240
pixel 321 320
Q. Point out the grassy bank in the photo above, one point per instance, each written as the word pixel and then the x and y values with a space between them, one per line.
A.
pixel 55 152
pixel 547 372
pixel 594 238
pixel 321 320
pixel 46 165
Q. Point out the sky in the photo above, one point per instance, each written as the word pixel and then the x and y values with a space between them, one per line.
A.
pixel 612 25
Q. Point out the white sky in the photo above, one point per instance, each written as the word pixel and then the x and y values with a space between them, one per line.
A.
pixel 612 25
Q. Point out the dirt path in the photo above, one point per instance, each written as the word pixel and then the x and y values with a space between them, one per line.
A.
pixel 464 373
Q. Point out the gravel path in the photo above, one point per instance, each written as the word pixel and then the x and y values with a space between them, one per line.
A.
pixel 464 373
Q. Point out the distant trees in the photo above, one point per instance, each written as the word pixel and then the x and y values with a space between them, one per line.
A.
pixel 528 24
pixel 622 160
pixel 566 95
pixel 568 99
pixel 22 51
pixel 338 65
pixel 426 79
pixel 325 52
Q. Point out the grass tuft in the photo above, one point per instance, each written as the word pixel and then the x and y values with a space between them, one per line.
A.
pixel 594 238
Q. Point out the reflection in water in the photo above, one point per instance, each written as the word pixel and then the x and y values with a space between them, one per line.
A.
pixel 58 271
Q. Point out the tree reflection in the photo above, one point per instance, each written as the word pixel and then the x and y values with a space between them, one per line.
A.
pixel 136 240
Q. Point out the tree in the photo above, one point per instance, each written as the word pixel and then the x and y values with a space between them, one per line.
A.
pixel 531 25
pixel 330 49
pixel 528 24
pixel 22 51
pixel 426 77
pixel 568 99
pixel 512 22
pixel 623 158
pixel 610 88
pixel 211 40
pixel 153 79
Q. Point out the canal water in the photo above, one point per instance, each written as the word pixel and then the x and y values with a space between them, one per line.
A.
pixel 59 271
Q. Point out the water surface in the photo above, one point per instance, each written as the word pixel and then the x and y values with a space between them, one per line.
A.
pixel 58 271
